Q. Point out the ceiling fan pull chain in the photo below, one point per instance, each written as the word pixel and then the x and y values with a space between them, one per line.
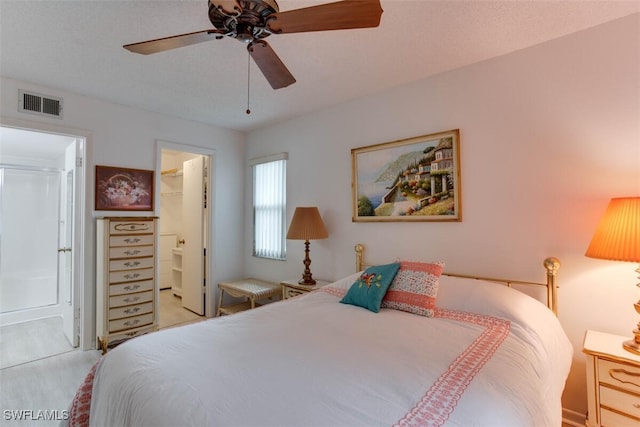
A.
pixel 248 80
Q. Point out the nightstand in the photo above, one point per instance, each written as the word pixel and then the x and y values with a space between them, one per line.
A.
pixel 613 381
pixel 291 288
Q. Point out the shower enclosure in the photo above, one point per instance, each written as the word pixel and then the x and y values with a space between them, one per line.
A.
pixel 29 234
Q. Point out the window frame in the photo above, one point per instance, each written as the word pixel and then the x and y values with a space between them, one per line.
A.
pixel 278 250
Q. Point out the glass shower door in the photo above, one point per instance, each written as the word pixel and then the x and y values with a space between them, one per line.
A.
pixel 29 209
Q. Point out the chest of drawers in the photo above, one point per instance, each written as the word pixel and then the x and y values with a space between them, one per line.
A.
pixel 613 381
pixel 126 278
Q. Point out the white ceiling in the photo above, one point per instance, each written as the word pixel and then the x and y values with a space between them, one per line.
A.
pixel 76 46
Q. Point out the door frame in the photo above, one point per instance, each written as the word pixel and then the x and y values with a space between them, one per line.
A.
pixel 70 314
pixel 209 214
pixel 82 294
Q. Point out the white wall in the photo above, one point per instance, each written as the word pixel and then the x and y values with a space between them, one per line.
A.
pixel 548 135
pixel 123 136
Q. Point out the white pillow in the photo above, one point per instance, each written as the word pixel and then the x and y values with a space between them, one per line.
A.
pixel 345 282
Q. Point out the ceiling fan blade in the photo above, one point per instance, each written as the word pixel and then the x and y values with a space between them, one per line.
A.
pixel 270 64
pixel 340 15
pixel 173 42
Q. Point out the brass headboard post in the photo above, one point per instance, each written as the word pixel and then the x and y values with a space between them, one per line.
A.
pixel 359 248
pixel 552 265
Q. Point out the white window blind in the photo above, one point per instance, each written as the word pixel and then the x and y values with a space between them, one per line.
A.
pixel 269 207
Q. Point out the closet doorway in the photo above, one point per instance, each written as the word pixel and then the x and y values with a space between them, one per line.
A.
pixel 185 177
pixel 41 255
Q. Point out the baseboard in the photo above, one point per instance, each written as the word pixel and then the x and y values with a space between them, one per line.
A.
pixel 573 418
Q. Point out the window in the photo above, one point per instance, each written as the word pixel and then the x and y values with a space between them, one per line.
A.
pixel 270 206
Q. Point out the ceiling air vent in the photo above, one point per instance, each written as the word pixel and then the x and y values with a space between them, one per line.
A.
pixel 44 105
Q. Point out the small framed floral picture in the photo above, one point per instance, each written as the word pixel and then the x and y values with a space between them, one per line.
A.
pixel 123 189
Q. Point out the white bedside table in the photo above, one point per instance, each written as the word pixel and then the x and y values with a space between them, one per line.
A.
pixel 613 381
pixel 291 288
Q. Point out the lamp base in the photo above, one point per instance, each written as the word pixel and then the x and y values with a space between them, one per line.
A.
pixel 307 278
pixel 632 346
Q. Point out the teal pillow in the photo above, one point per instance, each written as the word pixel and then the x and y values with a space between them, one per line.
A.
pixel 371 287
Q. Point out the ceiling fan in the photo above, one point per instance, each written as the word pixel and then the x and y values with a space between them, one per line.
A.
pixel 251 21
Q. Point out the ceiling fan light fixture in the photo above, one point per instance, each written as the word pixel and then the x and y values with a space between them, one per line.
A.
pixel 244 33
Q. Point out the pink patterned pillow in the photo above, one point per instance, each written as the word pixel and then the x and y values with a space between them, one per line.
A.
pixel 414 288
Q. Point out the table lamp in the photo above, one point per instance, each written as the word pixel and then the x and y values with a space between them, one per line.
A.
pixel 617 238
pixel 306 225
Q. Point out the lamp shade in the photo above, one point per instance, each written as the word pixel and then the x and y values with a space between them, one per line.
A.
pixel 307 224
pixel 617 237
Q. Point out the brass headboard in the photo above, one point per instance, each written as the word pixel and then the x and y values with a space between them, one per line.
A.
pixel 551 265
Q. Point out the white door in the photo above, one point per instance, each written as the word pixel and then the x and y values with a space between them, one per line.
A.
pixel 193 214
pixel 68 300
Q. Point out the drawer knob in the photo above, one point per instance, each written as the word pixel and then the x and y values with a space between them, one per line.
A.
pixel 131 322
pixel 625 376
pixel 132 240
pixel 131 287
pixel 135 252
pixel 134 299
pixel 132 276
pixel 132 264
pixel 132 310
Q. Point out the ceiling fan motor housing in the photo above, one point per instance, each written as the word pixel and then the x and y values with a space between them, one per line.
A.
pixel 244 20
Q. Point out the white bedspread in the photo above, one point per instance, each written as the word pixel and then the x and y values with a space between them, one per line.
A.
pixel 313 361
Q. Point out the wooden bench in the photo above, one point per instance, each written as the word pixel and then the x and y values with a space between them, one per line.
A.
pixel 251 289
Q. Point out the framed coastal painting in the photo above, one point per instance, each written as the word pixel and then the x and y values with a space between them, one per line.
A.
pixel 415 179
pixel 123 189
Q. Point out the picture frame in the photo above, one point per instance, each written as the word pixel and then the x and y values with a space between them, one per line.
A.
pixel 123 189
pixel 414 179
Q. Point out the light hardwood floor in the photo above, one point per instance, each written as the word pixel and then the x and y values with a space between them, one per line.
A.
pixel 172 313
pixel 47 384
pixel 40 371
pixel 30 341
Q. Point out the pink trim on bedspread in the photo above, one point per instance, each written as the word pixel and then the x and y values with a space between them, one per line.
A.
pixel 81 405
pixel 440 400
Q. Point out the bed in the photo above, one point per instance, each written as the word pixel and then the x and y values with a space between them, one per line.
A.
pixel 484 355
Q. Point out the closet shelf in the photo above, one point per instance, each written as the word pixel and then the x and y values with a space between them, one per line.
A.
pixel 172 172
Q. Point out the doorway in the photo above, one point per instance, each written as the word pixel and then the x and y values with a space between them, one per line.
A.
pixel 41 217
pixel 184 235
